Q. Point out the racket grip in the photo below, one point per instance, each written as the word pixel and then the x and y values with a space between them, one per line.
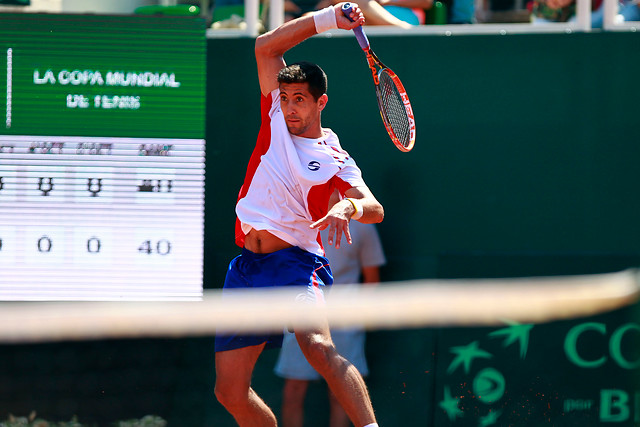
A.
pixel 358 31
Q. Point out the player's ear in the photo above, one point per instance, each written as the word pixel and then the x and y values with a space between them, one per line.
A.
pixel 322 101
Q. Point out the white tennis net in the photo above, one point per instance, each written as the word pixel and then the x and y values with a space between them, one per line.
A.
pixel 420 303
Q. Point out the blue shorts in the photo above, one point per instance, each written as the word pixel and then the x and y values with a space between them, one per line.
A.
pixel 287 267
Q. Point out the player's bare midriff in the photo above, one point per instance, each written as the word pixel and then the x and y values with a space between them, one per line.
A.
pixel 263 242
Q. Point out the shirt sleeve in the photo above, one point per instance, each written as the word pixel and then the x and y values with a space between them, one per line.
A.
pixel 351 175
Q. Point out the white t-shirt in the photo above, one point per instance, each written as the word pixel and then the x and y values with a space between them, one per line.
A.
pixel 289 180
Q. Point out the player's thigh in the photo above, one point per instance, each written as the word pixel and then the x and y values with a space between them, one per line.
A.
pixel 235 367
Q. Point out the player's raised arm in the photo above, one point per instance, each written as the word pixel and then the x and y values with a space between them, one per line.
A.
pixel 271 46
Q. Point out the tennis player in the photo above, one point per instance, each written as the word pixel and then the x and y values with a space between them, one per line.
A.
pixel 284 202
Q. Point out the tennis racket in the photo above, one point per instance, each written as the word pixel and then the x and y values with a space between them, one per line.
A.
pixel 393 102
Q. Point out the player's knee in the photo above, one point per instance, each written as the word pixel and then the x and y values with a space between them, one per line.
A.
pixel 321 354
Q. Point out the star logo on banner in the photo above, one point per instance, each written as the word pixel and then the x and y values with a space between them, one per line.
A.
pixel 450 405
pixel 515 333
pixel 466 355
pixel 490 419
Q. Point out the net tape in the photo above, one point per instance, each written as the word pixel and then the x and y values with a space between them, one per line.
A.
pixel 422 303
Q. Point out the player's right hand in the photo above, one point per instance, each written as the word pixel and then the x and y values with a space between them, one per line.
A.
pixel 357 17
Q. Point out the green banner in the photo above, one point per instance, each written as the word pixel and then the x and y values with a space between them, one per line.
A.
pixel 581 372
pixel 80 75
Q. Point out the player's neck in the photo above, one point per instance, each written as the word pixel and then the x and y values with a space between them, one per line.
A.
pixel 312 133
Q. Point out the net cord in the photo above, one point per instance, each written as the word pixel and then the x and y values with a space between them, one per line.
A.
pixel 411 304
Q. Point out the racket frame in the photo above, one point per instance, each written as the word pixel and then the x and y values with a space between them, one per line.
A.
pixel 377 68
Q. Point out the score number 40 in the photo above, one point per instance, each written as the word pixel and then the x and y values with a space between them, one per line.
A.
pixel 161 247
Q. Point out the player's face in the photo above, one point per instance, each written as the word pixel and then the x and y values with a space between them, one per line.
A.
pixel 301 110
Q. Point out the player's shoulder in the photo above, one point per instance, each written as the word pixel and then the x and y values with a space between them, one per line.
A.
pixel 331 139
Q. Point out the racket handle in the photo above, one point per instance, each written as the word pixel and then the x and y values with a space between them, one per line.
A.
pixel 358 31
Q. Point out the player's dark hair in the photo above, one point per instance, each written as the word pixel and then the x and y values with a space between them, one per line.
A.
pixel 305 72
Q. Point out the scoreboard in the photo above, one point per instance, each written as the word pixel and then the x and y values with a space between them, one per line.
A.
pixel 101 157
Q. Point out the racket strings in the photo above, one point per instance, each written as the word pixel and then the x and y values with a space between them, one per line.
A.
pixel 394 111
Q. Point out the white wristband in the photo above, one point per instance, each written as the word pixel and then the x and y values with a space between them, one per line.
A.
pixel 357 205
pixel 325 19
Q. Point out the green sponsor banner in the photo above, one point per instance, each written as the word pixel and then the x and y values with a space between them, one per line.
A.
pixel 83 75
pixel 580 372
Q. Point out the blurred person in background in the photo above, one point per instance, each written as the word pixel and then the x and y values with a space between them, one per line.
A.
pixel 545 11
pixel 410 11
pixel 628 10
pixel 462 12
